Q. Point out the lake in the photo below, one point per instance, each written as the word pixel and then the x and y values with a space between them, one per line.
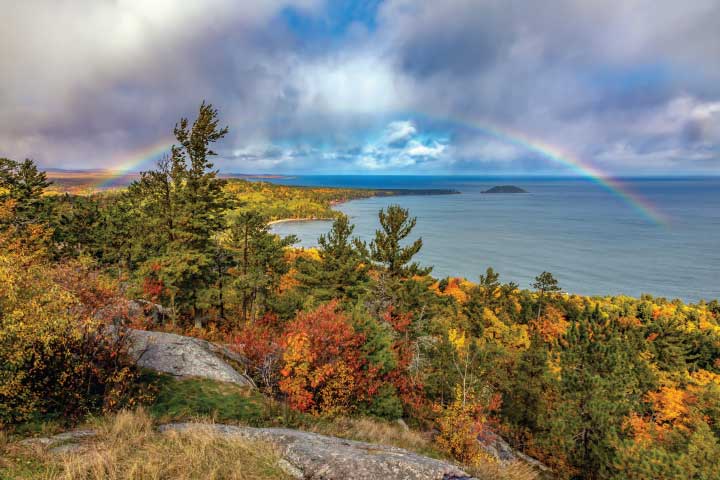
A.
pixel 594 240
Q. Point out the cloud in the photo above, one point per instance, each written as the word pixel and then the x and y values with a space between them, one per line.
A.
pixel 85 81
pixel 579 75
pixel 417 149
pixel 346 85
pixel 398 133
pixel 401 146
pixel 398 146
pixel 629 86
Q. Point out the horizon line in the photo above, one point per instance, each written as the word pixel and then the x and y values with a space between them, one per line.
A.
pixel 111 171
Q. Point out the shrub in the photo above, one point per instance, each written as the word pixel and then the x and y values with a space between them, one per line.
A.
pixel 386 404
pixel 461 424
pixel 258 342
pixel 53 360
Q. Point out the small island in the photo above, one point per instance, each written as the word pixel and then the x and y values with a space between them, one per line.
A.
pixel 505 189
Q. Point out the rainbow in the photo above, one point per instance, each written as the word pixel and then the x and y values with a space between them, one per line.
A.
pixel 131 163
pixel 641 205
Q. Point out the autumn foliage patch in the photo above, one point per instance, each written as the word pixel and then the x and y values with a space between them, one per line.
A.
pixel 54 359
pixel 324 369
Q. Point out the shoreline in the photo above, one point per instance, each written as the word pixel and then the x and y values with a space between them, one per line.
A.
pixel 308 219
pixel 382 192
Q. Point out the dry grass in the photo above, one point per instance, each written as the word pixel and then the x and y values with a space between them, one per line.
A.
pixel 386 433
pixel 128 447
pixel 496 471
pixel 377 431
pixel 23 461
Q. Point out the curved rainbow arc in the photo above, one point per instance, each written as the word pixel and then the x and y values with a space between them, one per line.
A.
pixel 132 162
pixel 642 206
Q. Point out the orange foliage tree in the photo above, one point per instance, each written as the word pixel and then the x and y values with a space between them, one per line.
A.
pixel 551 325
pixel 323 367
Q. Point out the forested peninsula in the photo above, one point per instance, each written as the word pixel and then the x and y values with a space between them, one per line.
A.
pixel 275 201
pixel 356 340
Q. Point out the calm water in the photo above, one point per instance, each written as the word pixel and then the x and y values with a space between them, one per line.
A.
pixel 593 241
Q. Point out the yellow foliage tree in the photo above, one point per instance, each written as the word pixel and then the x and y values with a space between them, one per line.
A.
pixel 53 359
pixel 460 426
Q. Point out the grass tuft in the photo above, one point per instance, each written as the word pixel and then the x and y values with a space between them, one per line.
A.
pixel 377 431
pixel 128 447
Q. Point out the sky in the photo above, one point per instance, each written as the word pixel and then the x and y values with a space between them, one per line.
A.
pixel 625 87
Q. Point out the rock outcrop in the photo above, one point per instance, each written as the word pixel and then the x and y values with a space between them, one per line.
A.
pixel 313 456
pixel 63 443
pixel 186 357
pixel 501 451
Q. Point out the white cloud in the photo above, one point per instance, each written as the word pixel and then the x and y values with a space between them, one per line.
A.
pixel 88 80
pixel 415 148
pixel 400 131
pixel 350 84
pixel 401 146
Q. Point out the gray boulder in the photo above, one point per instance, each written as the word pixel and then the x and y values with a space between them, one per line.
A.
pixel 62 443
pixel 313 456
pixel 187 357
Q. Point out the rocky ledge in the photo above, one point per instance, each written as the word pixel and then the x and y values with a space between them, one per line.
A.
pixel 63 443
pixel 313 456
pixel 185 357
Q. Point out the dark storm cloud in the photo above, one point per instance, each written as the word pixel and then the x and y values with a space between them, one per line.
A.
pixel 630 86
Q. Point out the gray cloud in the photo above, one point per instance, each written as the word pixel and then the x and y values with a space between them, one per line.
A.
pixel 630 86
pixel 585 76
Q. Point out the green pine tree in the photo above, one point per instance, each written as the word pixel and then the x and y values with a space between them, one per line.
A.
pixel 24 184
pixel 387 248
pixel 545 284
pixel 258 261
pixel 182 207
pixel 343 266
pixel 603 380
pixel 22 205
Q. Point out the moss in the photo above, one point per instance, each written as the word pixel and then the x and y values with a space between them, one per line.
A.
pixel 201 398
